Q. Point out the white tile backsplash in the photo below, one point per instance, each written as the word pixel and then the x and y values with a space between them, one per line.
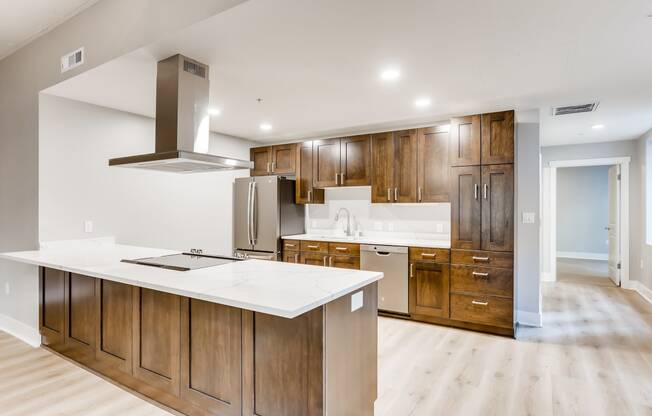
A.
pixel 374 219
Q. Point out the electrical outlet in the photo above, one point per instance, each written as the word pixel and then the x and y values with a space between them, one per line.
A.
pixel 313 224
pixel 529 217
pixel 357 301
pixel 88 226
pixel 390 226
pixel 440 227
pixel 7 288
pixel 642 264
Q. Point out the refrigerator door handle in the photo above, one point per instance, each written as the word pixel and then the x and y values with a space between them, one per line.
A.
pixel 254 215
pixel 249 214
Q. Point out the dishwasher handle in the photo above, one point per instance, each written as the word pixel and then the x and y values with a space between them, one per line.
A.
pixel 383 253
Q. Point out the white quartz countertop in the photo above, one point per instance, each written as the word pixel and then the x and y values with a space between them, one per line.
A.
pixel 282 289
pixel 379 240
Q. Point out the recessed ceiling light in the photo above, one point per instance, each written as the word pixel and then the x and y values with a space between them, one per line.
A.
pixel 214 111
pixel 390 74
pixel 597 126
pixel 265 126
pixel 422 102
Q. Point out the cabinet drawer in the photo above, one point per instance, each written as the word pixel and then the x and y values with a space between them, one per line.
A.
pixel 485 280
pixel 291 245
pixel 344 262
pixel 487 310
pixel 314 246
pixel 438 255
pixel 314 259
pixel 291 257
pixel 348 249
pixel 483 258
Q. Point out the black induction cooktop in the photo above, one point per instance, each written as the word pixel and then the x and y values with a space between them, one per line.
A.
pixel 183 261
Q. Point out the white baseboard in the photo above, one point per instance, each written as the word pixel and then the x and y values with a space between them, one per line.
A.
pixel 582 255
pixel 20 330
pixel 644 291
pixel 533 319
pixel 547 277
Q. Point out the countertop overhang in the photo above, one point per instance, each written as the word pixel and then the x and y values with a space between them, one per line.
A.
pixel 276 288
pixel 385 241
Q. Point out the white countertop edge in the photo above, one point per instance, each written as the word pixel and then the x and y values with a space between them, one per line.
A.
pixel 284 313
pixel 401 242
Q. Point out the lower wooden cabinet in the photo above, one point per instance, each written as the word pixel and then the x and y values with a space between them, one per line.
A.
pixel 157 339
pixel 114 329
pixel 292 257
pixel 211 352
pixel 315 259
pixel 52 310
pixel 81 318
pixel 322 253
pixel 428 289
pixel 480 309
pixel 344 262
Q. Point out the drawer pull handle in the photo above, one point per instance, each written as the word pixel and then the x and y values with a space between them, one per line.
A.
pixel 330 261
pixel 480 303
pixel 325 259
pixel 296 258
pixel 478 274
pixel 411 269
pixel 475 258
pixel 312 246
pixel 289 245
pixel 428 254
pixel 341 249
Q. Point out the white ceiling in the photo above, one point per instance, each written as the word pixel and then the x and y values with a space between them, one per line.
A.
pixel 316 65
pixel 21 21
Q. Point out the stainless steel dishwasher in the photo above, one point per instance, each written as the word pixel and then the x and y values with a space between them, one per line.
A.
pixel 393 287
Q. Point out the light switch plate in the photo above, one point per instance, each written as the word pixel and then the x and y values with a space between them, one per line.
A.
pixel 88 226
pixel 529 217
pixel 356 301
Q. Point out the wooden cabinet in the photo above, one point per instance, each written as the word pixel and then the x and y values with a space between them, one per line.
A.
pixel 114 329
pixel 273 160
pixel 394 167
pixel 466 208
pixel 497 138
pixel 291 256
pixel 428 287
pixel 322 253
pixel 344 262
pixel 382 167
pixel 479 279
pixel 305 192
pixel 432 164
pixel 485 310
pixel 211 352
pixel 157 339
pixel 498 207
pixel 81 318
pixel 465 133
pixel 342 162
pixel 52 311
pixel 315 259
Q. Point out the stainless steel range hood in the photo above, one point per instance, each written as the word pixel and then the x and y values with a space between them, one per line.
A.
pixel 182 123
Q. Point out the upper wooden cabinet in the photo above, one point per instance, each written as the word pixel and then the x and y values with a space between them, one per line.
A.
pixel 342 162
pixel 432 164
pixel 273 160
pixel 305 192
pixel 497 138
pixel 487 139
pixel 465 141
pixel 394 166
pixel 382 167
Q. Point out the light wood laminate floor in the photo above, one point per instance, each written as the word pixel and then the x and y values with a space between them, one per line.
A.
pixel 593 357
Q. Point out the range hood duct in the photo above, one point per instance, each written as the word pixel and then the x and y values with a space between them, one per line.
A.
pixel 182 123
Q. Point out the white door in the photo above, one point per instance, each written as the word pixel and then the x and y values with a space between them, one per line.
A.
pixel 614 224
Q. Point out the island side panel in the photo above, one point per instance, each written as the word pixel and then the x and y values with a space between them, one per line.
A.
pixel 351 354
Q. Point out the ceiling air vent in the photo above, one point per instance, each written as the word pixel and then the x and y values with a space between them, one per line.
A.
pixel 574 109
pixel 72 60
pixel 194 68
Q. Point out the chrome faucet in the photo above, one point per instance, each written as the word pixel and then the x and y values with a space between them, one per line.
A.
pixel 348 220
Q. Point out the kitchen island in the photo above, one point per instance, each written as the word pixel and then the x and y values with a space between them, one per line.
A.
pixel 244 338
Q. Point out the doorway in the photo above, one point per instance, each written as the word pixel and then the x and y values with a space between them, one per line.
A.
pixel 585 221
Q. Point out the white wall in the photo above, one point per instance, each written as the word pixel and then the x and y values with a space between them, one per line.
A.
pixel 583 210
pixel 420 220
pixel 607 150
pixel 136 206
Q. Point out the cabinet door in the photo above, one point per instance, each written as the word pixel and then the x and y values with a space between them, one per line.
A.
pixel 326 163
pixel 157 339
pixel 498 138
pixel 355 161
pixel 262 158
pixel 433 170
pixel 315 259
pixel 305 193
pixel 465 141
pixel 114 333
pixel 382 167
pixel 211 352
pixel 344 262
pixel 405 162
pixel 466 212
pixel 428 289
pixel 81 318
pixel 498 207
pixel 291 257
pixel 52 294
pixel 284 159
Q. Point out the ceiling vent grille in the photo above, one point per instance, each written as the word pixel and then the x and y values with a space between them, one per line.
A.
pixel 194 68
pixel 574 109
pixel 72 60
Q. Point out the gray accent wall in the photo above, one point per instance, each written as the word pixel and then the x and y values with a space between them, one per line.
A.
pixel 583 209
pixel 108 29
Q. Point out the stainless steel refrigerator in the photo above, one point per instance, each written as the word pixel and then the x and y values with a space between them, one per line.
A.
pixel 263 211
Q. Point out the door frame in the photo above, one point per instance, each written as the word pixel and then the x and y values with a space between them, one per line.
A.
pixel 549 212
